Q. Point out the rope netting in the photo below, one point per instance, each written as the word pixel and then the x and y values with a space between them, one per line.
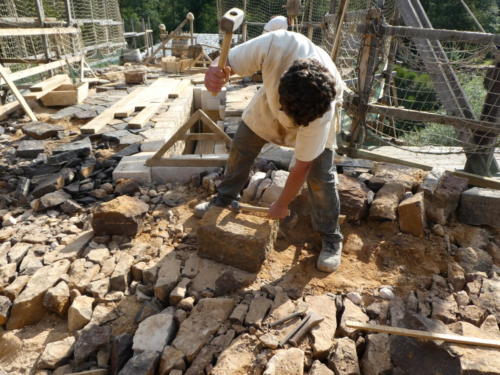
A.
pixel 451 77
pixel 99 31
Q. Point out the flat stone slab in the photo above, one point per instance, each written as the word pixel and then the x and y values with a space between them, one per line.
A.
pixel 30 149
pixel 239 240
pixel 480 206
pixel 41 130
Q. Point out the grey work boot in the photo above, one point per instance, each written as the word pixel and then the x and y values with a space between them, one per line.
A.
pixel 201 208
pixel 329 258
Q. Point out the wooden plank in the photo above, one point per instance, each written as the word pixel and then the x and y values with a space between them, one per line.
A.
pixel 144 116
pixel 51 83
pixel 99 122
pixel 38 31
pixel 213 160
pixel 66 95
pixel 43 68
pixel 126 106
pixel 17 94
pixel 40 94
pixel 203 137
pixel 177 90
pixel 7 109
pixel 479 181
pixel 474 180
pixel 425 335
pixel 412 115
pixel 157 92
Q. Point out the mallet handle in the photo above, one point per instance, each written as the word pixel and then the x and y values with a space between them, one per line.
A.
pixel 224 52
pixel 250 208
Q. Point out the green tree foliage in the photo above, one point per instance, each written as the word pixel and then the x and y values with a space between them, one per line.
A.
pixel 451 14
pixel 171 13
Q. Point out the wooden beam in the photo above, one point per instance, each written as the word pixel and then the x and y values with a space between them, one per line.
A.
pixel 5 75
pixel 7 109
pixel 50 84
pixel 412 115
pixel 425 335
pixel 38 31
pixel 43 68
pixel 95 125
pixel 473 179
pixel 438 34
pixel 479 181
pixel 140 120
pixel 40 94
pixel 210 160
pixel 365 154
pixel 203 137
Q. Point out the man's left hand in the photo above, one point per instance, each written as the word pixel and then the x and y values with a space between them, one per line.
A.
pixel 278 211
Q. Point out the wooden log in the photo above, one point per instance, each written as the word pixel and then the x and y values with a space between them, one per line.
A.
pixel 424 335
pixel 38 31
pixel 140 120
pixel 50 84
pixel 5 75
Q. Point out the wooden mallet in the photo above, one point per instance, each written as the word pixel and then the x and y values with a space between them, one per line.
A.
pixel 229 23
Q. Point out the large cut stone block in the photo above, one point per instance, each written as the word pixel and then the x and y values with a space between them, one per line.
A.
pixel 134 167
pixel 442 202
pixel 239 240
pixel 122 216
pixel 480 206
pixel 411 213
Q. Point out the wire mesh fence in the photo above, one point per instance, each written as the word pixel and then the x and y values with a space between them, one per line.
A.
pixel 97 25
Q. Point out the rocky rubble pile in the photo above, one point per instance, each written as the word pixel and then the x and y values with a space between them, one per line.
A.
pixel 116 263
pixel 197 316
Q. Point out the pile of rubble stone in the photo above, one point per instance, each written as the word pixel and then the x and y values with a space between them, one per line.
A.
pixel 92 251
pixel 197 317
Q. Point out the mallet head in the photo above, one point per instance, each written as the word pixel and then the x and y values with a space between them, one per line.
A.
pixel 231 20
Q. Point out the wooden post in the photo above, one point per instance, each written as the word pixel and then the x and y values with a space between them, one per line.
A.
pixel 146 40
pixel 5 75
pixel 41 17
pixel 344 4
pixel 132 26
pixel 310 29
pixel 366 70
pixel 483 161
pixel 244 27
pixel 150 36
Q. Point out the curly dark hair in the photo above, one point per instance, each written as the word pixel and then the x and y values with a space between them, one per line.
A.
pixel 306 90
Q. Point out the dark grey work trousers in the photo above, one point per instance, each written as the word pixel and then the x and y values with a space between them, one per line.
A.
pixel 323 194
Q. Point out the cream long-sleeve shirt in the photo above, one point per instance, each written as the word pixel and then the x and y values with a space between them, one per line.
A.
pixel 273 53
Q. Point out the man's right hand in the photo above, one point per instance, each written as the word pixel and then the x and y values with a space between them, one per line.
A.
pixel 216 78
